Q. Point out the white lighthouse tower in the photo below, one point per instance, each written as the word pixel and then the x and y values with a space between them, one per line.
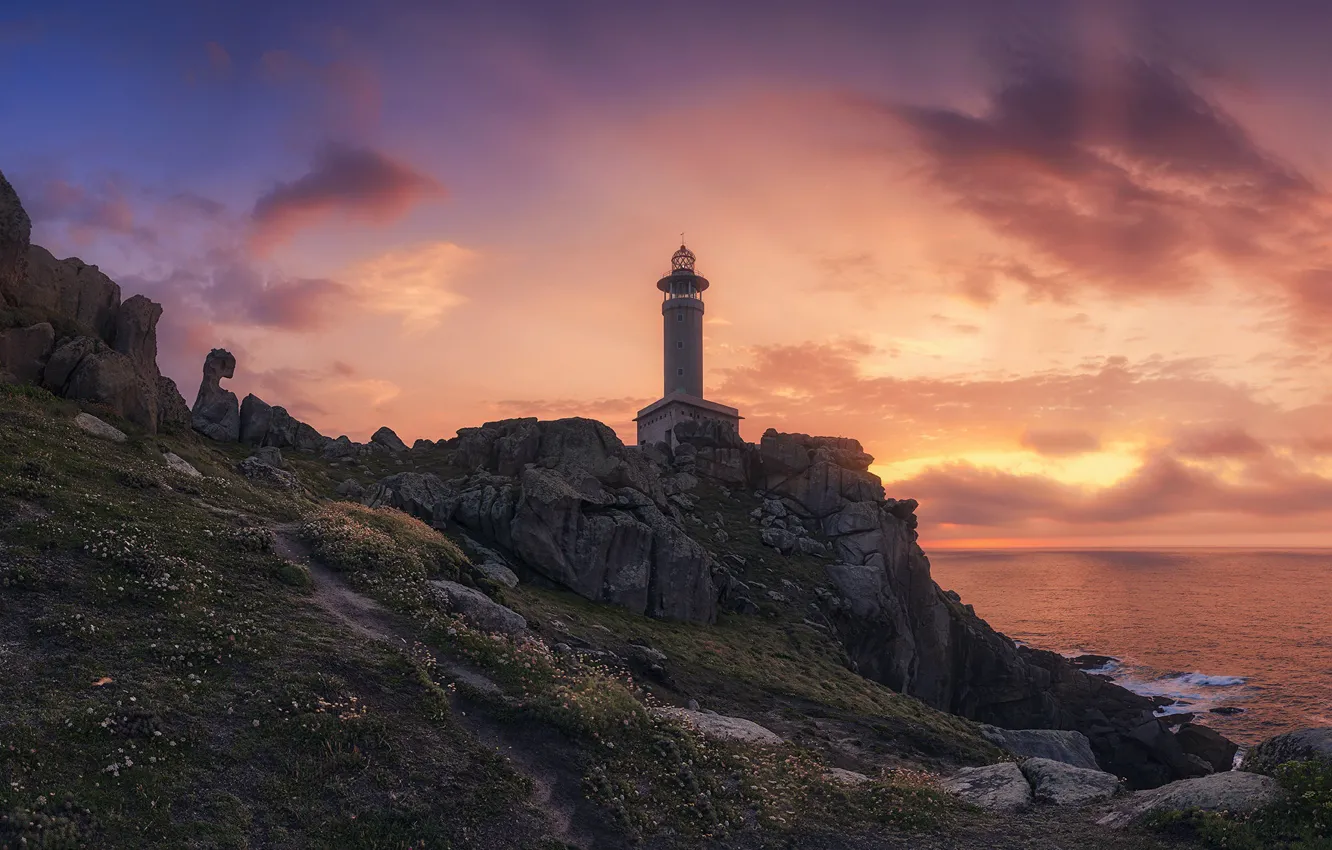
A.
pixel 682 357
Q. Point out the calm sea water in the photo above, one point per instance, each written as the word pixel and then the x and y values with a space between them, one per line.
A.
pixel 1212 628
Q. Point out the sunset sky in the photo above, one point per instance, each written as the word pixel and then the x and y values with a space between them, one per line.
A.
pixel 1065 268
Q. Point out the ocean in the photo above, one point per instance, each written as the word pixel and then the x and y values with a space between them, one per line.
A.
pixel 1243 638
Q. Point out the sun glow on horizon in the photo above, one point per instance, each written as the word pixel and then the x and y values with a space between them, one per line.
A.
pixel 1091 470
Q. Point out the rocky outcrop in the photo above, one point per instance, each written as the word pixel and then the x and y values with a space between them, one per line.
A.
pixel 1061 784
pixel 900 628
pixel 723 727
pixel 1233 791
pixel 287 432
pixel 714 450
pixel 350 489
pixel 24 352
pixel 1300 745
pixel 72 290
pixel 822 474
pixel 261 471
pixel 136 338
pixel 498 573
pixel 216 413
pixel 476 609
pixel 173 414
pixel 87 369
pixel 997 787
pixel 1071 748
pixel 15 230
pixel 107 349
pixel 179 464
pixel 135 333
pixel 90 424
pixel 256 416
pixel 569 502
pixel 262 424
pixel 385 438
pixel 269 455
pixel 1207 744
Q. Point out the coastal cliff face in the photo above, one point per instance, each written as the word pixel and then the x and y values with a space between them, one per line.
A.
pixel 570 504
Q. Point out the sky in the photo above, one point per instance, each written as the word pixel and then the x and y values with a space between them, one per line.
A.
pixel 1064 268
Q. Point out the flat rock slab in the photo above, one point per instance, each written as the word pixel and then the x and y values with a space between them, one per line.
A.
pixel 99 429
pixel 845 777
pixel 723 727
pixel 997 787
pixel 1300 745
pixel 498 573
pixel 1066 746
pixel 1234 791
pixel 477 609
pixel 181 465
pixel 1063 784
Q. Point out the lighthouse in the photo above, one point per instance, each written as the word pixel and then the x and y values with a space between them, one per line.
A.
pixel 682 357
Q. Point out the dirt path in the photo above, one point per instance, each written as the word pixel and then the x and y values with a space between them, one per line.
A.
pixel 545 757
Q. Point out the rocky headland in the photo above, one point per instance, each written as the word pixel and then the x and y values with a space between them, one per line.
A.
pixel 775 580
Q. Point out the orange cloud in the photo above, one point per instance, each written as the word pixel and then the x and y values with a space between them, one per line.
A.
pixel 414 283
pixel 1123 178
pixel 1054 442
pixel 355 182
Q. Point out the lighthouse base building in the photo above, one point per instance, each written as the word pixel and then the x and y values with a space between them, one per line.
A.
pixel 682 361
pixel 657 421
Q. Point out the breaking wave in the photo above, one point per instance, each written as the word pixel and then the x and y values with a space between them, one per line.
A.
pixel 1190 691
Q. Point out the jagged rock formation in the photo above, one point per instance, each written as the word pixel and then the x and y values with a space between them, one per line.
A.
pixel 256 417
pixel 385 438
pixel 87 369
pixel 216 413
pixel 72 289
pixel 73 334
pixel 24 352
pixel 572 504
pixel 15 231
pixel 1300 745
pixel 262 424
pixel 901 629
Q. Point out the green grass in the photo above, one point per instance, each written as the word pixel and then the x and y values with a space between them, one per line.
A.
pixel 1301 821
pixel 166 682
pixel 775 657
pixel 653 775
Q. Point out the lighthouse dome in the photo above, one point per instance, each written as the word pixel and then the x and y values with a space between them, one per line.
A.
pixel 683 260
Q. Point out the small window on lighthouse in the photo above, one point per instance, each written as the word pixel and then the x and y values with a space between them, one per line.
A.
pixel 679 317
pixel 679 343
pixel 679 372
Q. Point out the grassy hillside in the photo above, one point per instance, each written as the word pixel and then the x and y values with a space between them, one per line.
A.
pixel 206 663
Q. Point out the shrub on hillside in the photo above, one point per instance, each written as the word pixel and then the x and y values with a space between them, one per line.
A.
pixel 1301 821
pixel 353 538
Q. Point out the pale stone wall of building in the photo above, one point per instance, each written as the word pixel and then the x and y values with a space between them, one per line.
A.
pixel 657 426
